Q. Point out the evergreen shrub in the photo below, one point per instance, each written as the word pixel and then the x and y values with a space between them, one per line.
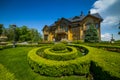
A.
pixel 59 47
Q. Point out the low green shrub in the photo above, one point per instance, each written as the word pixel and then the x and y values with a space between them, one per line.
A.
pixel 19 45
pixel 81 49
pixel 107 47
pixel 62 51
pixel 59 47
pixel 78 41
pixel 79 66
pixel 64 41
pixel 5 47
pixel 46 42
pixel 5 74
pixel 61 56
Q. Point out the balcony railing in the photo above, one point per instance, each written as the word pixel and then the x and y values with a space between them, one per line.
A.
pixel 46 33
pixel 60 31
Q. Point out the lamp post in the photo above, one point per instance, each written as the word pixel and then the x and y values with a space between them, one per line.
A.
pixel 14 26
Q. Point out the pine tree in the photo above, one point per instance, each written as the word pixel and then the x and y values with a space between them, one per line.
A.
pixel 91 34
pixel 119 28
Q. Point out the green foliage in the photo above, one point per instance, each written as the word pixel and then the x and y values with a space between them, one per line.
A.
pixel 59 56
pixel 91 34
pixel 107 47
pixel 77 41
pixel 64 41
pixel 48 67
pixel 23 34
pixel 1 28
pixel 5 74
pixel 59 47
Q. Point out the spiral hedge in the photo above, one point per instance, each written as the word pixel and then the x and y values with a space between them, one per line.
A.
pixel 60 65
pixel 61 56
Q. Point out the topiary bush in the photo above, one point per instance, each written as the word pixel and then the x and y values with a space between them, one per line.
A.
pixel 59 47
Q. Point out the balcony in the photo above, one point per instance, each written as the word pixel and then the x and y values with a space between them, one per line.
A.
pixel 60 31
pixel 46 33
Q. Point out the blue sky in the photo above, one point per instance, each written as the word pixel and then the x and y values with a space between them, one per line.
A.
pixel 37 13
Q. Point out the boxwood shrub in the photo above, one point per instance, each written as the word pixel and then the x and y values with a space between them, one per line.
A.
pixel 79 66
pixel 59 47
pixel 61 56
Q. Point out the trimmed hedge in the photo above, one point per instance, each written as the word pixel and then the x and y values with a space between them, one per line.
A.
pixel 5 74
pixel 104 65
pixel 62 51
pixel 59 47
pixel 108 48
pixel 11 46
pixel 79 66
pixel 61 56
pixel 81 49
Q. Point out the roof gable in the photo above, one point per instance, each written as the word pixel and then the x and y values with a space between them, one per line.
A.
pixel 45 27
pixel 76 18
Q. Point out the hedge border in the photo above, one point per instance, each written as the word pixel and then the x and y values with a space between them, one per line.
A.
pixel 11 46
pixel 61 56
pixel 79 66
pixel 108 48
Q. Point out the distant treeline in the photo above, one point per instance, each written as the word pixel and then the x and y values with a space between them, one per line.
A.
pixel 20 34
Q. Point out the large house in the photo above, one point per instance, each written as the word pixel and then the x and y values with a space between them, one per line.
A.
pixel 72 28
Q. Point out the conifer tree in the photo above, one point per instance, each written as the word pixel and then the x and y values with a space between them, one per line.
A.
pixel 91 34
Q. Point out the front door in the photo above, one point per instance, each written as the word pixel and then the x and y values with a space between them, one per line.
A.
pixel 59 37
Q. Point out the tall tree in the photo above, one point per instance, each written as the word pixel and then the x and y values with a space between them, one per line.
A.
pixel 10 33
pixel 1 28
pixel 91 34
pixel 24 33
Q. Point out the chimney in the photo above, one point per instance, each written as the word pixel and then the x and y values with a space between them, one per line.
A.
pixel 89 12
pixel 81 13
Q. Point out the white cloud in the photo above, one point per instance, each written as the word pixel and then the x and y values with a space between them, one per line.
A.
pixel 110 20
pixel 106 37
pixel 110 11
pixel 101 5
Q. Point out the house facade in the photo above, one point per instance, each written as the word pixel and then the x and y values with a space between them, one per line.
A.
pixel 73 28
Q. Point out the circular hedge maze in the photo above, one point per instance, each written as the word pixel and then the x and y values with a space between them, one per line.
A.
pixel 59 60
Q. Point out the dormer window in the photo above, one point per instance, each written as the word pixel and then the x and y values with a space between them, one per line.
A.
pixel 76 17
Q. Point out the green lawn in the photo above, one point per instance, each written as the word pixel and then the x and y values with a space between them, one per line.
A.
pixel 15 61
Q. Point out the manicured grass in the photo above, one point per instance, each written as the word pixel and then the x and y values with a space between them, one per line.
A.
pixel 15 61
